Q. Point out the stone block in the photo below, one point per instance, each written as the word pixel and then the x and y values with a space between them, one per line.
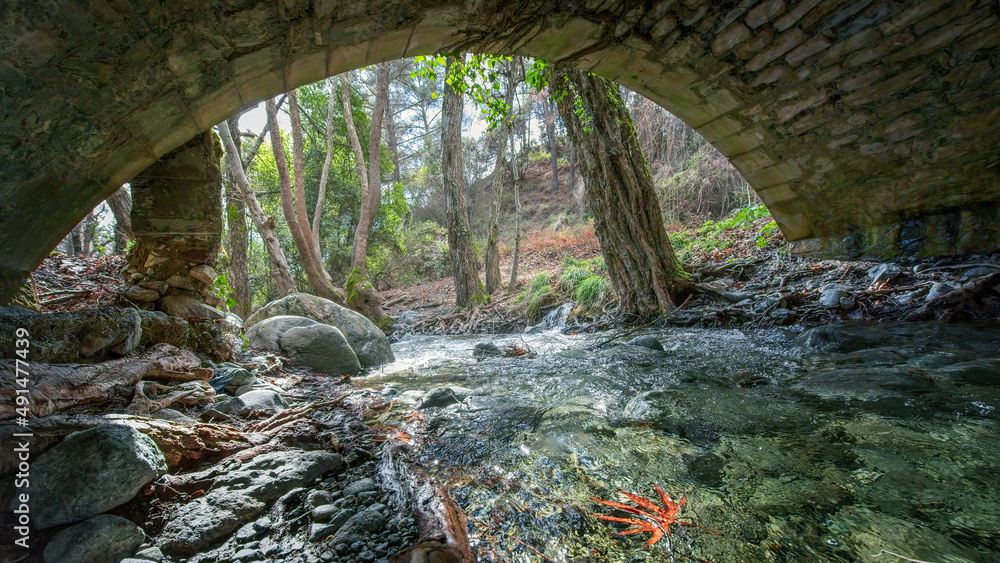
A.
pixel 764 12
pixel 784 43
pixel 733 35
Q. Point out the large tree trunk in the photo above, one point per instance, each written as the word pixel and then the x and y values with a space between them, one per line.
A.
pixel 236 240
pixel 627 219
pixel 493 280
pixel 370 197
pixel 265 225
pixel 468 288
pixel 325 176
pixel 294 209
pixel 120 203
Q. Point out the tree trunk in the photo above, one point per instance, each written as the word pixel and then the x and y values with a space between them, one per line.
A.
pixel 265 225
pixel 517 217
pixel 325 176
pixel 550 130
pixel 88 234
pixel 120 203
pixel 465 271
pixel 493 280
pixel 294 209
pixel 627 219
pixel 370 198
pixel 236 240
pixel 390 131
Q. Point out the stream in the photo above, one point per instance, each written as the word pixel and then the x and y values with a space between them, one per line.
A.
pixel 828 445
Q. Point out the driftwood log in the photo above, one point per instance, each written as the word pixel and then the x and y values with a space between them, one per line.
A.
pixel 58 387
pixel 441 524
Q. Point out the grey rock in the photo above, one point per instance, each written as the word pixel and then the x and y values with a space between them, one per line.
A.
pixel 978 272
pixel 247 555
pixel 324 512
pixel 180 282
pixel 409 317
pixel 360 486
pixel 736 296
pixel 90 472
pixel 136 560
pixel 230 377
pixel 318 498
pixel 264 334
pixel 184 306
pixel 782 316
pixel 141 294
pixel 101 539
pixel 369 343
pixel 485 350
pixel 159 327
pixel 440 398
pixel 160 287
pixel 647 341
pixel 83 335
pixel 173 416
pixel 320 347
pixel 261 401
pixel 321 530
pixel 152 553
pixel 360 525
pixel 203 273
pixel 831 294
pixel 240 496
pixel 246 533
pixel 939 290
pixel 884 272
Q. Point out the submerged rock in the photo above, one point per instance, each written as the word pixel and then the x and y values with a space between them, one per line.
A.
pixel 90 472
pixel 647 341
pixel 368 342
pixel 485 350
pixel 101 539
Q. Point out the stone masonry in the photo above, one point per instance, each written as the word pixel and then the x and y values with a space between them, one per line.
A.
pixel 177 221
pixel 867 127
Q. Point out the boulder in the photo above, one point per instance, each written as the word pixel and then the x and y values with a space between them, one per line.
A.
pixel 90 472
pixel 369 343
pixel 172 415
pixel 320 347
pixel 264 335
pixel 159 327
pixel 939 290
pixel 260 401
pixel 241 495
pixel 185 306
pixel 444 397
pixel 83 335
pixel 101 539
pixel 229 377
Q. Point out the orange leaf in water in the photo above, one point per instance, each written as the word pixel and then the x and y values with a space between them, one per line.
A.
pixel 657 521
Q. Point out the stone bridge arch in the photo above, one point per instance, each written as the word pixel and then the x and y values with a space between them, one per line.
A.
pixel 867 127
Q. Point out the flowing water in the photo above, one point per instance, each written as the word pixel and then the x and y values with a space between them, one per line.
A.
pixel 828 446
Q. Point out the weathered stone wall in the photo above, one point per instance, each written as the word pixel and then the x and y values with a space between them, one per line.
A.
pixel 866 127
pixel 177 223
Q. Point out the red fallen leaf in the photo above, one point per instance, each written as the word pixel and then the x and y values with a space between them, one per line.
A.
pixel 658 523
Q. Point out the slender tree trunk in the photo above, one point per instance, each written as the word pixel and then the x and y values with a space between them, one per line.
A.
pixel 120 203
pixel 493 280
pixel 517 217
pixel 390 131
pixel 627 219
pixel 550 130
pixel 237 237
pixel 370 199
pixel 295 211
pixel 468 287
pixel 325 176
pixel 265 225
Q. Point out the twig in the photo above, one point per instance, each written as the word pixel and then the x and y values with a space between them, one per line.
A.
pixel 65 291
pixel 879 554
pixel 64 298
pixel 961 267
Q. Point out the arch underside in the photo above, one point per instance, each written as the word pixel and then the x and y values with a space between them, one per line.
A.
pixel 867 128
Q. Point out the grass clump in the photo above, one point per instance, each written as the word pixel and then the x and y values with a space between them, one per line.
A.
pixel 538 295
pixel 590 292
pixel 571 277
